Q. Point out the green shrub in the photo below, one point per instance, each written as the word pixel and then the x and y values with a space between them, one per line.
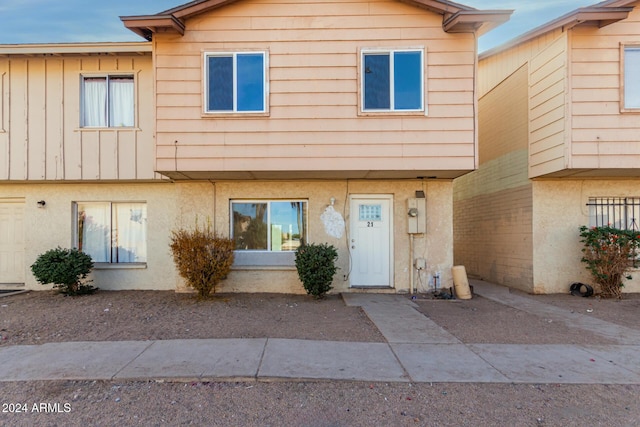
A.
pixel 316 267
pixel 609 254
pixel 202 258
pixel 66 269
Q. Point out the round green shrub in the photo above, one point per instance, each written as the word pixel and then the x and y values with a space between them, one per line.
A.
pixel 66 269
pixel 316 267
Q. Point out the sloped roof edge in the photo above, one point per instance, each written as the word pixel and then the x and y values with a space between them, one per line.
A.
pixel 604 13
pixel 139 48
pixel 457 17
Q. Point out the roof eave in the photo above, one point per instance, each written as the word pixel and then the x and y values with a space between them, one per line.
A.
pixel 477 21
pixel 601 16
pixel 62 49
pixel 457 18
pixel 146 25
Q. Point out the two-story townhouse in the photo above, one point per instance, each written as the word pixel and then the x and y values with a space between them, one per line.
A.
pixel 559 135
pixel 287 109
pixel 279 122
pixel 77 162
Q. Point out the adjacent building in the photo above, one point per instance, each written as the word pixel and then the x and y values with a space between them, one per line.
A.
pixel 559 126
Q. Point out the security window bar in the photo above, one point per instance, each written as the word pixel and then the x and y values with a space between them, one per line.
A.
pixel 618 212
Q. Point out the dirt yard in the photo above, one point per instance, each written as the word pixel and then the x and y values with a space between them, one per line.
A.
pixel 40 317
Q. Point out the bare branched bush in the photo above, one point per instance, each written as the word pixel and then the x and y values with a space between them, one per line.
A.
pixel 202 258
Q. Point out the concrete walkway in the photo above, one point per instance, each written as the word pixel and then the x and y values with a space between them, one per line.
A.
pixel 417 350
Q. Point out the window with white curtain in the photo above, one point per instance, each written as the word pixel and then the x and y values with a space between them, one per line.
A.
pixel 632 77
pixel 112 232
pixel 108 101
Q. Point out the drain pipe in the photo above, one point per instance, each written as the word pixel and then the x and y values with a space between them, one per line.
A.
pixel 411 263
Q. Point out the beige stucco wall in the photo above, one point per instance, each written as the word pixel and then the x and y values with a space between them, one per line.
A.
pixel 51 226
pixel 437 247
pixel 560 209
pixel 173 205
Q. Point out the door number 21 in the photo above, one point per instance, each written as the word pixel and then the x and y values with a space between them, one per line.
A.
pixel 369 223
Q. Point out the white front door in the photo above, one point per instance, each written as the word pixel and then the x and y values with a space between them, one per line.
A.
pixel 370 241
pixel 12 243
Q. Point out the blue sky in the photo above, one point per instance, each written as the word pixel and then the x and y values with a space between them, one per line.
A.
pixel 61 21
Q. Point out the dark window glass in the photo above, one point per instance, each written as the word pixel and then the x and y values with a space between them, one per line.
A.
pixel 221 83
pixel 376 82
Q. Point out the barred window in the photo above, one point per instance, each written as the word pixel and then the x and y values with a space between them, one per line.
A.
pixel 617 212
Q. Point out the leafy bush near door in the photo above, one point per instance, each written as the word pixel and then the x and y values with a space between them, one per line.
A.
pixel 609 254
pixel 67 269
pixel 202 258
pixel 316 267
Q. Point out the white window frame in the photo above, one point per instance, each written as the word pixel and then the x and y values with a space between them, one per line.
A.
pixel 111 262
pixel 234 54
pixel 626 72
pixel 391 51
pixel 107 77
pixel 266 257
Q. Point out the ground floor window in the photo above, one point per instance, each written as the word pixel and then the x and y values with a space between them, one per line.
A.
pixel 618 212
pixel 269 225
pixel 112 232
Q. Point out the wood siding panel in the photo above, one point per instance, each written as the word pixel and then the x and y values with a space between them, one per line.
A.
pixel 18 120
pixel 603 136
pixel 108 155
pixel 494 69
pixel 54 150
pixel 43 139
pixel 72 136
pixel 547 108
pixel 314 89
pixel 36 118
pixel 127 160
pixel 4 119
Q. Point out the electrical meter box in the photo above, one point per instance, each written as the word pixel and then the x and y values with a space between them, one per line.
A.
pixel 417 215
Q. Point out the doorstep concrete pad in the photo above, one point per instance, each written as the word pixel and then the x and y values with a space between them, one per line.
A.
pixel 195 359
pixel 445 363
pixel 626 356
pixel 70 360
pixel 567 364
pixel 397 319
pixel 303 359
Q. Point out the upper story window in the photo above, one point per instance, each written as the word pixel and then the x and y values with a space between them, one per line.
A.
pixel 236 82
pixel 112 232
pixel 108 101
pixel 392 80
pixel 631 77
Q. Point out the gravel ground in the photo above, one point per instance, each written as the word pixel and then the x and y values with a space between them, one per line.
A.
pixel 39 317
pixel 46 316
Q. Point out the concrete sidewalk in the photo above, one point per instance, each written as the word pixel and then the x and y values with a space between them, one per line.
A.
pixel 417 350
